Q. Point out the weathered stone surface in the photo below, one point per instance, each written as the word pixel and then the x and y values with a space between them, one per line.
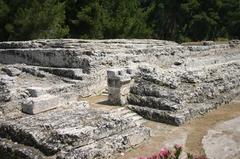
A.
pixel 160 80
pixel 76 131
pixel 9 149
pixel 15 90
pixel 40 104
pixel 4 88
pixel 84 63
pixel 65 72
pixel 93 57
pixel 37 91
pixel 223 139
pixel 119 82
pixel 176 95
pixel 11 71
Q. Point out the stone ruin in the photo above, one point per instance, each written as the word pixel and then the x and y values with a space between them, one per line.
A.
pixel 41 82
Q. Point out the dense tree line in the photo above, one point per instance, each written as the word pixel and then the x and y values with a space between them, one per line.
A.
pixel 178 20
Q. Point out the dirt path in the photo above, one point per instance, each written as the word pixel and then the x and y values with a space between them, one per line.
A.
pixel 198 128
pixel 190 135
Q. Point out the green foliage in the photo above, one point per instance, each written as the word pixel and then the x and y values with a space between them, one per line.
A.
pixel 32 19
pixel 178 20
pixel 124 19
pixel 4 10
pixel 231 17
pixel 107 19
pixel 87 19
pixel 188 19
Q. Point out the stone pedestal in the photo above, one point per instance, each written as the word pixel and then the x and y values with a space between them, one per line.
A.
pixel 119 81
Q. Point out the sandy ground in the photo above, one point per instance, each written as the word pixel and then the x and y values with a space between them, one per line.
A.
pixel 224 139
pixel 189 135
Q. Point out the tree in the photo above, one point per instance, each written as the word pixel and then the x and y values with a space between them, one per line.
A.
pixel 166 18
pixel 177 20
pixel 125 19
pixel 230 16
pixel 107 19
pixel 33 19
pixel 4 10
pixel 85 18
pixel 204 24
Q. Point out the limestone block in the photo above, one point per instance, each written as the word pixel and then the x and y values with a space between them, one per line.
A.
pixel 114 95
pixel 40 104
pixel 119 80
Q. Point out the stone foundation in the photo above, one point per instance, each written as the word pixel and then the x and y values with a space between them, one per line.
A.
pixel 170 83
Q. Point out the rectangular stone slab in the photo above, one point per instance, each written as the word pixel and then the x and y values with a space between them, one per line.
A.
pixel 40 104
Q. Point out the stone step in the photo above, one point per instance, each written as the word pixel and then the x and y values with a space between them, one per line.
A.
pixel 129 115
pixel 214 65
pixel 114 144
pixel 72 73
pixel 40 104
pixel 154 102
pixel 190 110
pixel 49 57
pixel 158 91
pixel 134 117
pixel 71 81
pixel 36 91
pixel 33 70
pixel 78 127
pixel 156 115
pixel 223 57
pixel 174 118
pixel 10 149
pixel 121 111
pixel 125 113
